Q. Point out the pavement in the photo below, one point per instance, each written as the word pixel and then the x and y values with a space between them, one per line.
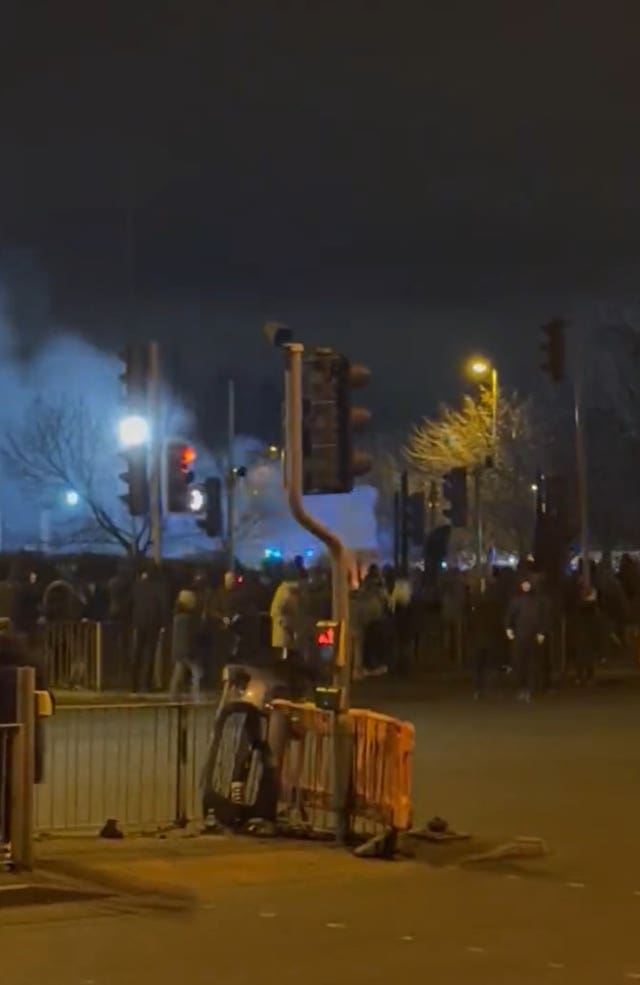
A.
pixel 233 910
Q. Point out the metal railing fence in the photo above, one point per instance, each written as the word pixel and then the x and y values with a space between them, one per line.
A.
pixel 139 764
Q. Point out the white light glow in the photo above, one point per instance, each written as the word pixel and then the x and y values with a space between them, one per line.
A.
pixel 133 431
pixel 196 500
pixel 72 498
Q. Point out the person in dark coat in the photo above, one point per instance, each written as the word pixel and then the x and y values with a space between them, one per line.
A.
pixel 526 627
pixel 148 613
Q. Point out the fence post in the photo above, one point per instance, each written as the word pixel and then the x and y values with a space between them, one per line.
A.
pixel 97 629
pixel 181 767
pixel 23 769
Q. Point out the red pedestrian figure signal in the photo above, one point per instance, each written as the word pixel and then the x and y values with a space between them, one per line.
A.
pixel 326 636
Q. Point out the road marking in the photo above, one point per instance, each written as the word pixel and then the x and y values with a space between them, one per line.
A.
pixel 336 926
pixel 476 950
pixel 556 965
pixel 633 975
pixel 512 875
pixel 575 885
pixel 636 892
pixel 17 885
pixel 266 915
pixel 407 937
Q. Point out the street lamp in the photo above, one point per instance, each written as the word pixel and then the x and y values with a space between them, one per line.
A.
pixel 71 498
pixel 133 431
pixel 482 369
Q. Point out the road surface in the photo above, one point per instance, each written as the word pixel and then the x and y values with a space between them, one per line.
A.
pixel 565 770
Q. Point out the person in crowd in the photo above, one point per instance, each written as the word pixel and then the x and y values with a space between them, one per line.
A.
pixel 526 627
pixel 184 643
pixel 225 609
pixel 402 612
pixel 61 602
pixel 148 616
pixel 377 624
pixel 284 615
pixel 453 607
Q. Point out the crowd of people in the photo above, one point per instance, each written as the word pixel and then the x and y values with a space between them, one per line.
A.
pixel 200 619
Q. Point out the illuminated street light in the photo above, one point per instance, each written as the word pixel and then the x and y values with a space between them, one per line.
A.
pixel 133 431
pixel 71 498
pixel 534 487
pixel 481 369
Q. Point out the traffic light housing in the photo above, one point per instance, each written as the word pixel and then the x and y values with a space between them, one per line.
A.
pixel 136 479
pixel 415 519
pixel 330 463
pixel 553 349
pixel 211 522
pixel 178 475
pixel 454 490
pixel 135 377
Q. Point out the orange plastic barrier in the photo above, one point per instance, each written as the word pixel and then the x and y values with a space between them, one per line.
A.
pixel 381 766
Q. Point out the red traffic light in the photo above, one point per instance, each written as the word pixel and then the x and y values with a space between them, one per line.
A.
pixel 187 457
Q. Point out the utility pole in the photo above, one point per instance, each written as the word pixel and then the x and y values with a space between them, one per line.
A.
pixel 581 462
pixel 231 475
pixel 155 453
pixel 477 505
pixel 404 532
pixel 396 529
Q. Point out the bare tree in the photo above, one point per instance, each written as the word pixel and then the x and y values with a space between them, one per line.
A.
pixel 60 445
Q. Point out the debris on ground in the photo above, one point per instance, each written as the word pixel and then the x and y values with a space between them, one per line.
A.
pixel 383 845
pixel 111 830
pixel 438 830
pixel 518 848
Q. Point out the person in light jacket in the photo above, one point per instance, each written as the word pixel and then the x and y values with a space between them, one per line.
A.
pixel 284 608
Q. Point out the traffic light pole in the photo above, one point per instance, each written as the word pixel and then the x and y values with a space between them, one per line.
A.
pixel 155 499
pixel 404 531
pixel 341 564
pixel 231 475
pixel 581 463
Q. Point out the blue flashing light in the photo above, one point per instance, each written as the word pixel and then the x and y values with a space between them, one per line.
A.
pixel 309 552
pixel 272 554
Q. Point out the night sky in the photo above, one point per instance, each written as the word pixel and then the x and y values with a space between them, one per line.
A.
pixel 405 180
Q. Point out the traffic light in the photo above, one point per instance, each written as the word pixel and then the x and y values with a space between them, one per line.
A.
pixel 178 476
pixel 454 490
pixel 329 461
pixel 415 520
pixel 553 349
pixel 135 377
pixel 133 428
pixel 136 479
pixel 211 522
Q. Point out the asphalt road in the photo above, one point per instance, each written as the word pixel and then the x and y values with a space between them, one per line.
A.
pixel 565 769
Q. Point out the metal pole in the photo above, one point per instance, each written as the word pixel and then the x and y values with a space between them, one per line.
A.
pixel 477 482
pixel 494 410
pixel 581 461
pixel 231 475
pixel 404 533
pixel 396 529
pixel 342 564
pixel 23 769
pixel 45 530
pixel 155 496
